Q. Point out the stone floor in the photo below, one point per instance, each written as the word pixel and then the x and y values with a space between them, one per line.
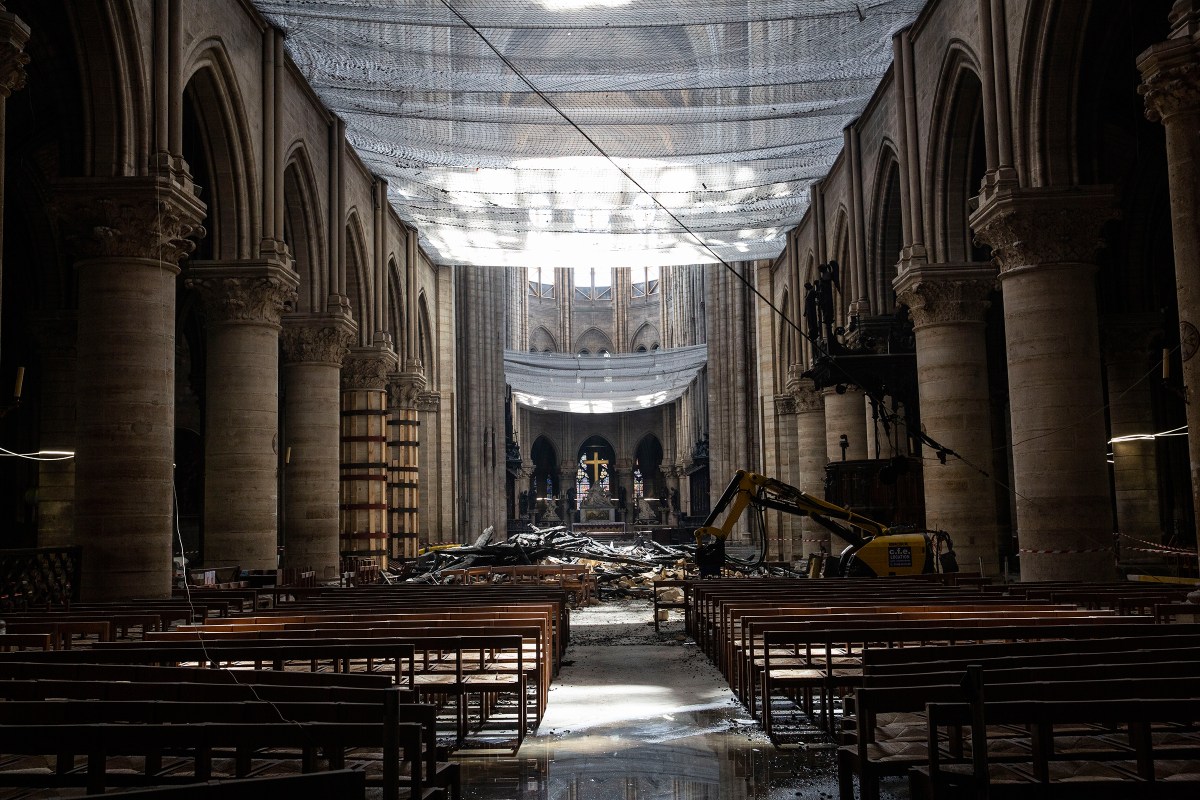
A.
pixel 635 715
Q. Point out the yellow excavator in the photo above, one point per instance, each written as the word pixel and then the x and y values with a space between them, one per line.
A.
pixel 874 550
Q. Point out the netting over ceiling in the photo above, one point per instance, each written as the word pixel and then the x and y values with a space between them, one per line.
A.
pixel 602 384
pixel 724 111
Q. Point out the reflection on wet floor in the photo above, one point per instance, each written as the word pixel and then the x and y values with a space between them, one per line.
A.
pixel 643 718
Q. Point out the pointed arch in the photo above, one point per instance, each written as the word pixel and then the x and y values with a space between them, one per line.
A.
pixel 593 340
pixel 887 230
pixel 358 281
pixel 958 157
pixel 397 325
pixel 783 343
pixel 840 252
pixel 220 134
pixel 302 229
pixel 113 88
pixel 425 340
pixel 542 341
pixel 647 336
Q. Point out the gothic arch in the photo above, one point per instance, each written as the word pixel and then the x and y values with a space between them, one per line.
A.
pixel 593 340
pixel 808 275
pixel 646 336
pixel 425 340
pixel 396 324
pixel 887 232
pixel 783 349
pixel 302 230
pixel 113 89
pixel 958 158
pixel 541 340
pixel 841 254
pixel 221 131
pixel 358 282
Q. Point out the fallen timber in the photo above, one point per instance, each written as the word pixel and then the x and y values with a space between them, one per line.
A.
pixel 620 569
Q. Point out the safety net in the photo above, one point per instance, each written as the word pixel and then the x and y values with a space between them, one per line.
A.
pixel 554 133
pixel 602 384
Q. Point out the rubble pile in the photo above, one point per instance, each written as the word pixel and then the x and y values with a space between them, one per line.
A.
pixel 622 570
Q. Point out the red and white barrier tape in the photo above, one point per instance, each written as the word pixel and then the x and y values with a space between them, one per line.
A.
pixel 1158 547
pixel 1065 552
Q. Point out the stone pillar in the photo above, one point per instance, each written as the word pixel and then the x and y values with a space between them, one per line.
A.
pixel 436 516
pixel 1171 85
pixel 786 526
pixel 622 480
pixel 1128 356
pixel 364 507
pixel 1045 241
pixel 243 305
pixel 845 414
pixel 404 442
pixel 811 458
pixel 54 333
pixel 14 34
pixel 314 346
pixel 949 304
pixel 131 234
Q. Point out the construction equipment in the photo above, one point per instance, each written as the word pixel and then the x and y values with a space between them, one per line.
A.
pixel 874 548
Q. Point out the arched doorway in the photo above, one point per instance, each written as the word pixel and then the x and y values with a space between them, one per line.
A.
pixel 594 487
pixel 649 485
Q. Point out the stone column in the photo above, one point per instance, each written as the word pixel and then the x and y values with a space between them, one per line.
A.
pixel 787 526
pixel 1171 85
pixel 811 458
pixel 57 359
pixel 1128 356
pixel 845 414
pixel 949 304
pixel 243 305
pixel 131 234
pixel 404 442
pixel 14 34
pixel 1045 241
pixel 622 478
pixel 435 476
pixel 364 508
pixel 314 346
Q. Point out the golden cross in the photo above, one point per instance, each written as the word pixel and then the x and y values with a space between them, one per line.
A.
pixel 595 463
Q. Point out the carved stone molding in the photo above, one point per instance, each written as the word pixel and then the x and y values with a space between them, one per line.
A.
pixel 808 399
pixel 146 217
pixel 405 388
pixel 933 299
pixel 316 338
pixel 432 401
pixel 785 404
pixel 14 35
pixel 251 292
pixel 1169 90
pixel 1029 227
pixel 367 368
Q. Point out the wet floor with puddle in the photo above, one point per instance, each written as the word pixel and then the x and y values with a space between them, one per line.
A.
pixel 639 715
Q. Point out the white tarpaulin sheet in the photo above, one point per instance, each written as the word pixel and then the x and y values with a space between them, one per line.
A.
pixel 724 111
pixel 602 384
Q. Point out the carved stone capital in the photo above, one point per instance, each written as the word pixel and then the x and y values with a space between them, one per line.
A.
pixel 808 399
pixel 785 404
pixel 367 368
pixel 432 401
pixel 256 292
pixel 1171 69
pixel 405 388
pixel 14 34
pixel 316 338
pixel 1029 227
pixel 145 217
pixel 943 294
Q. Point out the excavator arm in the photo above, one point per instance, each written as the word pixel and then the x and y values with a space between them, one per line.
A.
pixel 751 489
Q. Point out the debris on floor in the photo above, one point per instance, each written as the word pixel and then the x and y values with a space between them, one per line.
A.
pixel 622 569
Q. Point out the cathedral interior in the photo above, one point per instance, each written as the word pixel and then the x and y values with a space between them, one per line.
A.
pixel 292 285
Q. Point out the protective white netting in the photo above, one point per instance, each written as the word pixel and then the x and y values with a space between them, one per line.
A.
pixel 725 111
pixel 602 384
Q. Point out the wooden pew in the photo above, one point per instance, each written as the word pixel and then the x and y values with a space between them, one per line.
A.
pixel 344 784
